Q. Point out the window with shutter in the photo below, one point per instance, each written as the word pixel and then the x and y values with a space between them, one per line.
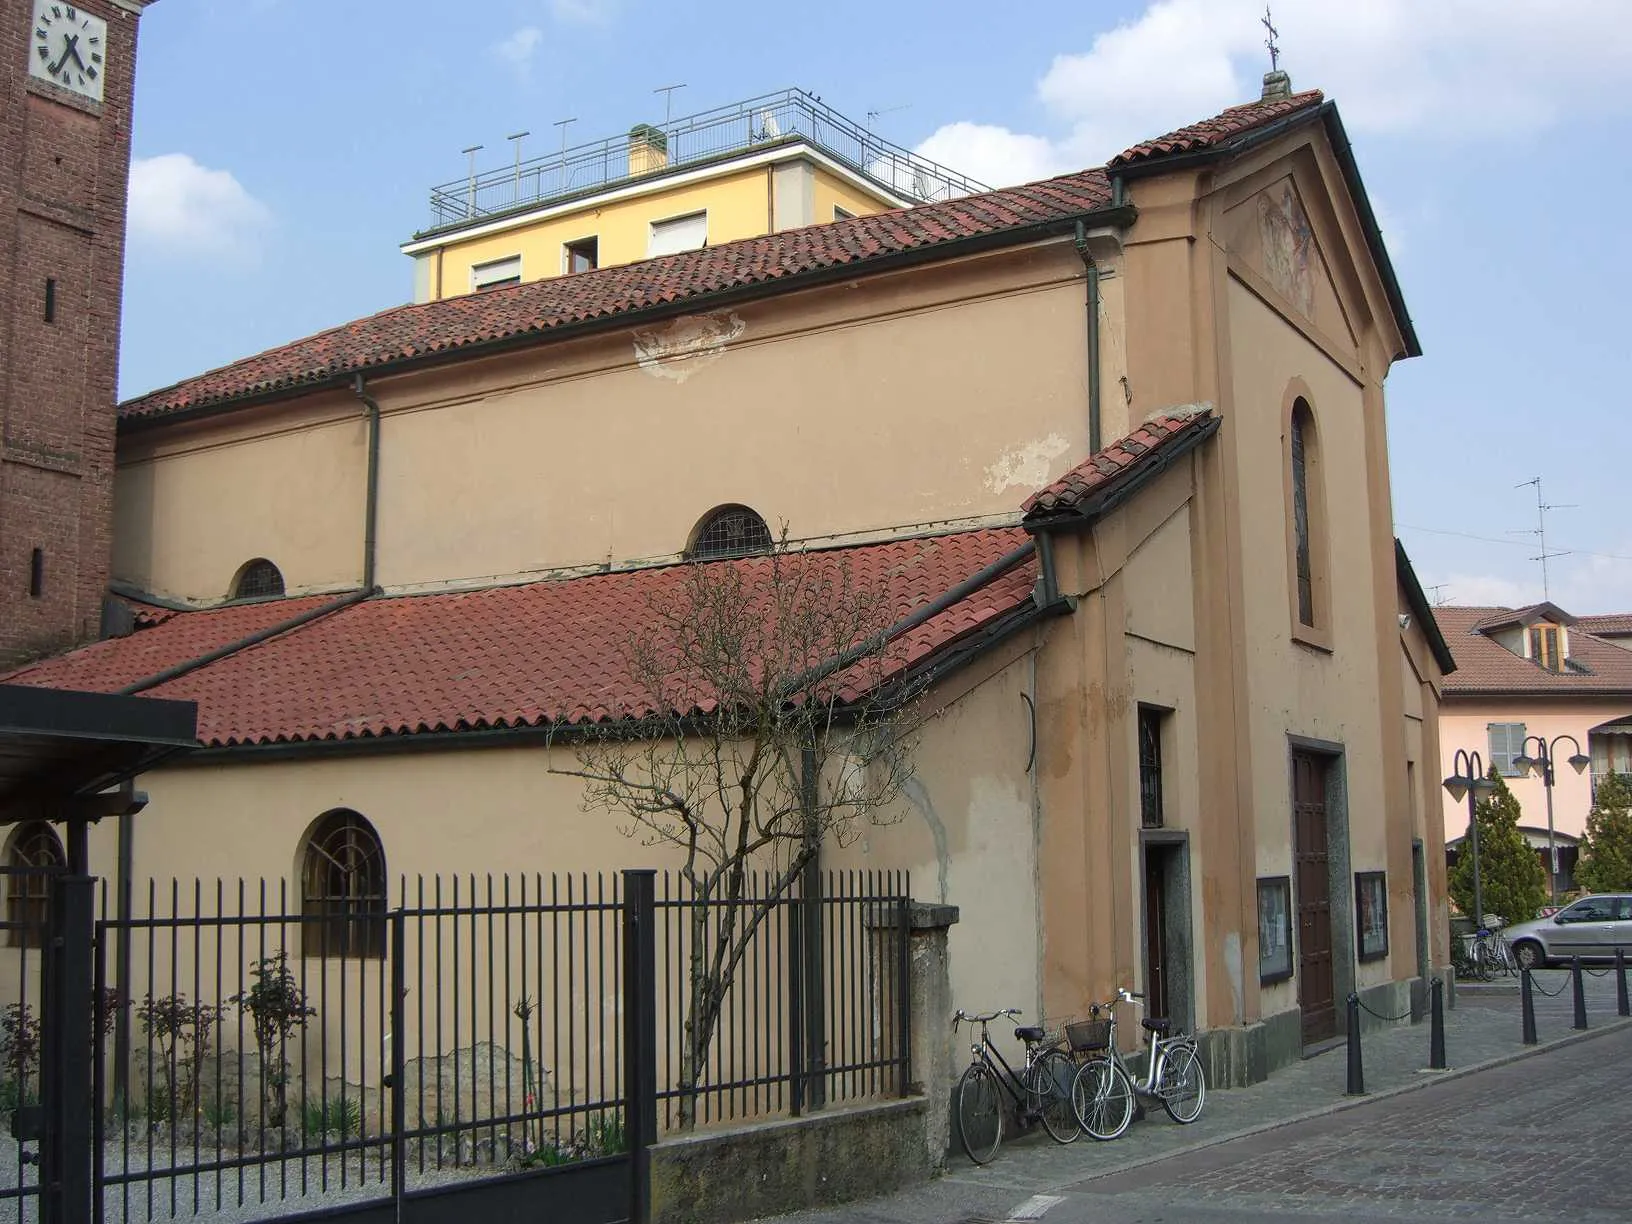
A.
pixel 678 234
pixel 1506 742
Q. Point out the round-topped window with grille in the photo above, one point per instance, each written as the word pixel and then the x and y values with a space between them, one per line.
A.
pixel 730 531
pixel 258 579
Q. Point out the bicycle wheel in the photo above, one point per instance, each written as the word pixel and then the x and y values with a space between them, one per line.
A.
pixel 980 1113
pixel 1048 1095
pixel 1102 1095
pixel 1184 1085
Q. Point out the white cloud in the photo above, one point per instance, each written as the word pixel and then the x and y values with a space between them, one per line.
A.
pixel 1580 583
pixel 1449 70
pixel 991 154
pixel 518 50
pixel 180 206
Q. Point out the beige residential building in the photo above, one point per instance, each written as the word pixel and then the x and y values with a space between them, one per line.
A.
pixel 1120 434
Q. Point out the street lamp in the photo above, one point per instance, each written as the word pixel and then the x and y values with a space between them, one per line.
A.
pixel 1469 780
pixel 1542 763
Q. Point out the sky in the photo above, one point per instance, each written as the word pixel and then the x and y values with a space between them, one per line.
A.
pixel 283 149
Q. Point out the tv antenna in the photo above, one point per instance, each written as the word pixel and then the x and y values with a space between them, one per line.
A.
pixel 518 137
pixel 1433 594
pixel 470 152
pixel 1540 530
pixel 668 99
pixel 1268 22
pixel 872 115
pixel 563 124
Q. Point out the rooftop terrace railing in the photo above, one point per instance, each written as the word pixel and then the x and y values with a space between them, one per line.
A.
pixel 789 116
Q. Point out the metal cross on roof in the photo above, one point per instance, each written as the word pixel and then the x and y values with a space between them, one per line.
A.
pixel 1268 22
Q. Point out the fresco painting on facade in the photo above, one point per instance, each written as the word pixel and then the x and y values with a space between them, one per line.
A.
pixel 1289 254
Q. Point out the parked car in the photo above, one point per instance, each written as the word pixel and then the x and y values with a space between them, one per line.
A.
pixel 1591 928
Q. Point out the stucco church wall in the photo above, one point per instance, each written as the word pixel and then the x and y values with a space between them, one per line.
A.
pixel 1331 695
pixel 826 410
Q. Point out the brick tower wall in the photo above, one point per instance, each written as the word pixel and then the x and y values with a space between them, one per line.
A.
pixel 64 171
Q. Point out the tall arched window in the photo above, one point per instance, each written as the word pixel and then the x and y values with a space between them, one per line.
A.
pixel 343 888
pixel 258 579
pixel 33 852
pixel 729 531
pixel 1308 516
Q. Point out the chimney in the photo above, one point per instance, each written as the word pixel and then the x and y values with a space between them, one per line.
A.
pixel 648 149
pixel 1277 85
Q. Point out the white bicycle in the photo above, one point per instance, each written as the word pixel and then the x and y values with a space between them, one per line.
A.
pixel 1103 1091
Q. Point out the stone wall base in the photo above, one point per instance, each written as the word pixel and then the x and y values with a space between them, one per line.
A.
pixel 771 1168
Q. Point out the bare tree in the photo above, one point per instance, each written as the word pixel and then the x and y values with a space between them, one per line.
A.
pixel 765 725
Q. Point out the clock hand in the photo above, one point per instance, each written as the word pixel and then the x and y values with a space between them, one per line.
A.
pixel 73 46
pixel 69 47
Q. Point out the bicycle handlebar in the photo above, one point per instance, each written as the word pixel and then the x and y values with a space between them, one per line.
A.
pixel 986 1018
pixel 1122 995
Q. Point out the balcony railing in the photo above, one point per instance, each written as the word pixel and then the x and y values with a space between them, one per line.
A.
pixel 789 116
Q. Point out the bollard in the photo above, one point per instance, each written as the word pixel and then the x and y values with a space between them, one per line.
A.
pixel 1528 1006
pixel 1580 994
pixel 1436 1026
pixel 1623 1006
pixel 1357 1074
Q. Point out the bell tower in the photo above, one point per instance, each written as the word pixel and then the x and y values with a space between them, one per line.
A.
pixel 66 79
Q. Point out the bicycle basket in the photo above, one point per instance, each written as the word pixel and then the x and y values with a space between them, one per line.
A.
pixel 1089 1034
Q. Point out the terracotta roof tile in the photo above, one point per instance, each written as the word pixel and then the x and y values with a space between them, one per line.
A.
pixel 430 329
pixel 1483 665
pixel 1210 133
pixel 1614 624
pixel 538 307
pixel 501 657
pixel 1118 460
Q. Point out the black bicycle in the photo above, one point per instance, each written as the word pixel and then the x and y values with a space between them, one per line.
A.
pixel 1040 1090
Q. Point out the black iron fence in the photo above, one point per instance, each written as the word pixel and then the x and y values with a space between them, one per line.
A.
pixel 22 937
pixel 253 1056
pixel 815 1010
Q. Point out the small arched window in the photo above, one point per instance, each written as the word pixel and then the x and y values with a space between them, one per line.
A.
pixel 1308 516
pixel 730 531
pixel 33 855
pixel 343 888
pixel 258 579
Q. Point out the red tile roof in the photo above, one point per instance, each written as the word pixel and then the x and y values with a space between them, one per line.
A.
pixel 1483 665
pixel 433 329
pixel 1123 458
pixel 502 657
pixel 1614 624
pixel 428 329
pixel 1211 133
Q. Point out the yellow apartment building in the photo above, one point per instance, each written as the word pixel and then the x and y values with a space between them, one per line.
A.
pixel 772 163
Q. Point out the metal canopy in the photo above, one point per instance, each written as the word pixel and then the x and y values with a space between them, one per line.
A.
pixel 57 745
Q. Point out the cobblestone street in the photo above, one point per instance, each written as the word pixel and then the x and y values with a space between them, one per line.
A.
pixel 1532 1134
pixel 1536 1139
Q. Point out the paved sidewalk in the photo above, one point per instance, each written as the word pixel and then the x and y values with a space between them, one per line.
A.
pixel 1482 1031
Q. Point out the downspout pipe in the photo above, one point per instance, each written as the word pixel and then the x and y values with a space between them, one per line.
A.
pixel 1092 271
pixel 371 508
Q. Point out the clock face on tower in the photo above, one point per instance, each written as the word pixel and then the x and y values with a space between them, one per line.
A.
pixel 69 47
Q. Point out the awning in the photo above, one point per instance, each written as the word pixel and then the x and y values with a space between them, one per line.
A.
pixel 57 745
pixel 1536 837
